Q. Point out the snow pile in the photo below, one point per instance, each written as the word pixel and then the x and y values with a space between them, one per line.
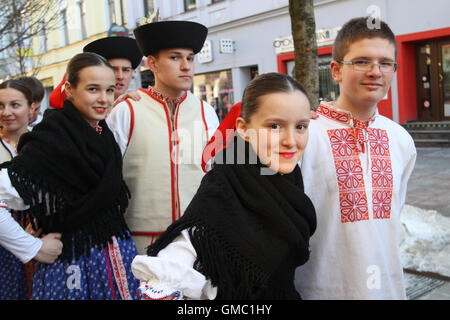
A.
pixel 425 241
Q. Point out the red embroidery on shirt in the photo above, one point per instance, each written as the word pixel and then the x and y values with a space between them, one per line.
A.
pixel 346 145
pixel 353 206
pixel 343 143
pixel 382 177
pixel 333 114
pixel 350 177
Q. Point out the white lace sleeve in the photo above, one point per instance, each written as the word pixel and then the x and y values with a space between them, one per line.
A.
pixel 171 271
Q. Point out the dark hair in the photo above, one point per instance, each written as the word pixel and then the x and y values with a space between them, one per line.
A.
pixel 36 87
pixel 357 29
pixel 81 61
pixel 19 86
pixel 263 84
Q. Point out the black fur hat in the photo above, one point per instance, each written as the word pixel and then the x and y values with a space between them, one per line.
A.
pixel 116 47
pixel 153 37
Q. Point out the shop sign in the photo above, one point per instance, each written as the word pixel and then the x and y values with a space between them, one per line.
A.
pixel 325 37
pixel 205 55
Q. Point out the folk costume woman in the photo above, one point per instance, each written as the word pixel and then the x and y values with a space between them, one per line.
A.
pixel 16 108
pixel 248 226
pixel 68 175
pixel 122 53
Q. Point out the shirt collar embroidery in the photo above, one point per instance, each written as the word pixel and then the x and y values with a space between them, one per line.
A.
pixel 171 103
pixel 162 97
pixel 328 110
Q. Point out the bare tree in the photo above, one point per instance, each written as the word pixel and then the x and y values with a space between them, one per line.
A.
pixel 21 21
pixel 305 47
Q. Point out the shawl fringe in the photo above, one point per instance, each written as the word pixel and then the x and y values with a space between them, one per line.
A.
pixel 236 276
pixel 244 226
pixel 71 179
pixel 47 204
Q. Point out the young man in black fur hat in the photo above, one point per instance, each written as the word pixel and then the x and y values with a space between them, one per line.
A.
pixel 162 135
pixel 123 54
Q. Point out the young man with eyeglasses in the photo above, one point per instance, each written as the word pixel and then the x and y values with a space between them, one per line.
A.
pixel 355 169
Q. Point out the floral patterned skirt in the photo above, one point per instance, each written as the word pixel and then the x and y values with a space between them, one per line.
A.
pixel 104 275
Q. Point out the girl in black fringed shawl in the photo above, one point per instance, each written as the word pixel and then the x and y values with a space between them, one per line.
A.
pixel 67 177
pixel 248 227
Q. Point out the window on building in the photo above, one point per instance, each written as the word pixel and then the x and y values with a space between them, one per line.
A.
pixel 112 11
pixel 43 36
pixel 189 5
pixel 149 6
pixel 64 27
pixel 328 88
pixel 82 8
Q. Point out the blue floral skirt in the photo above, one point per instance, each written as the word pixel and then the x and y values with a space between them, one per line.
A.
pixel 104 275
pixel 13 283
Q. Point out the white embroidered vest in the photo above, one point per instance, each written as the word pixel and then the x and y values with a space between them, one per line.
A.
pixel 162 163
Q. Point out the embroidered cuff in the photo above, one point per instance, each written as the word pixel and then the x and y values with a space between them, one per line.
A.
pixel 3 205
pixel 158 291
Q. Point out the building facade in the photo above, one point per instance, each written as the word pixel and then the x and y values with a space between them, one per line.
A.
pixel 253 37
pixel 250 37
pixel 81 22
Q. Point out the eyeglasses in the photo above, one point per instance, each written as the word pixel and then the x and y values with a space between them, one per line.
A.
pixel 364 65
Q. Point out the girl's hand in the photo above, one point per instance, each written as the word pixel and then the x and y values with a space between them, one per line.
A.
pixel 51 248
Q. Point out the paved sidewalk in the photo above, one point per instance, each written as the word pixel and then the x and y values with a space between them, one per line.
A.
pixel 429 185
pixel 429 188
pixel 441 293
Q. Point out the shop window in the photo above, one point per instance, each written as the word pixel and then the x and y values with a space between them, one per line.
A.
pixel 328 88
pixel 216 88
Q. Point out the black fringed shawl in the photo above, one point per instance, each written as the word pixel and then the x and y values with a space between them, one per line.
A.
pixel 250 231
pixel 71 177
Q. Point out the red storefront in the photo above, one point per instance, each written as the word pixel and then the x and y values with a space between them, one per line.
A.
pixel 423 78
